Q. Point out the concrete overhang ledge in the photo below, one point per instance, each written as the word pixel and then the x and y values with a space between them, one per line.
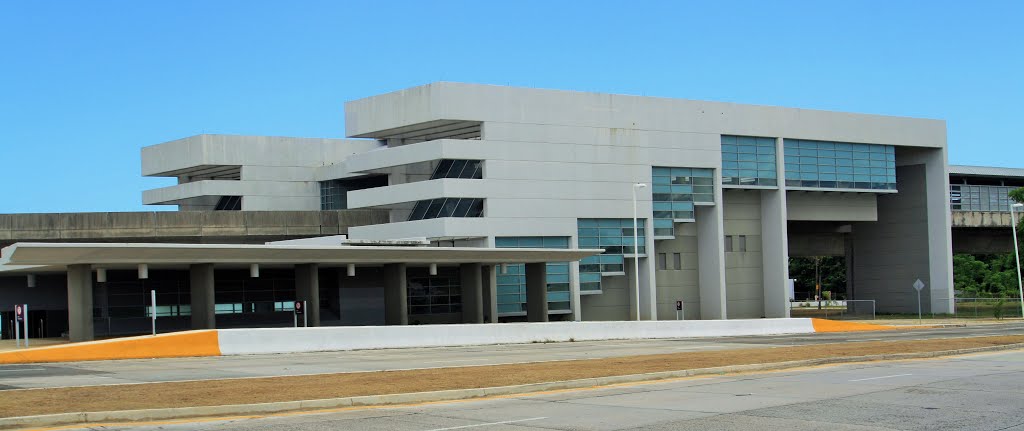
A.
pixel 64 254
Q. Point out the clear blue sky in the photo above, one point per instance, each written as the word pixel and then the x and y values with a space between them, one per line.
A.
pixel 85 84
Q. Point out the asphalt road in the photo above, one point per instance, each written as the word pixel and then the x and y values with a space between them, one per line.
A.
pixel 977 392
pixel 179 369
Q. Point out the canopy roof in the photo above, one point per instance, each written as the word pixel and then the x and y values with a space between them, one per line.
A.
pixel 34 256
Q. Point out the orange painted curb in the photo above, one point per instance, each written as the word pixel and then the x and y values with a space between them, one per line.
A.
pixel 824 325
pixel 174 345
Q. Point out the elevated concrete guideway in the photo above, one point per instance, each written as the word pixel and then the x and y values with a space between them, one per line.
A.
pixel 224 227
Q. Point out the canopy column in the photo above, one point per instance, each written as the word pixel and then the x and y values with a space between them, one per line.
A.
pixel 80 327
pixel 201 289
pixel 307 288
pixel 536 292
pixel 490 293
pixel 471 275
pixel 396 306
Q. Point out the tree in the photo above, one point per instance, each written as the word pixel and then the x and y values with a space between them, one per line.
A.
pixel 985 276
pixel 832 270
pixel 1017 195
pixel 969 275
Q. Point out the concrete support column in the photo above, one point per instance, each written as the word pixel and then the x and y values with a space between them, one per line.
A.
pixel 851 290
pixel 574 291
pixel 489 274
pixel 80 326
pixel 940 239
pixel 536 292
pixel 396 307
pixel 774 253
pixel 471 276
pixel 648 283
pixel 911 239
pixel 307 288
pixel 711 258
pixel 101 299
pixel 201 289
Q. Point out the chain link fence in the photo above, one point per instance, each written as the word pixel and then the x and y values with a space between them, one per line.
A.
pixel 981 308
pixel 862 309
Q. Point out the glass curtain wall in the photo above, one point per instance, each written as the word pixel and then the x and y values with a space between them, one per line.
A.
pixel 674 192
pixel 512 283
pixel 615 236
pixel 840 165
pixel 749 161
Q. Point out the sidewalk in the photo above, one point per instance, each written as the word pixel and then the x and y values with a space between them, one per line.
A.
pixel 8 345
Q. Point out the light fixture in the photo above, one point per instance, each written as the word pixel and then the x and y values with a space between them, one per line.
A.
pixel 1016 253
pixel 636 249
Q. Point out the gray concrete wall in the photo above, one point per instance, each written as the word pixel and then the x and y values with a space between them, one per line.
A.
pixel 744 276
pixel 910 241
pixel 613 303
pixel 831 206
pixel 189 227
pixel 808 239
pixel 683 283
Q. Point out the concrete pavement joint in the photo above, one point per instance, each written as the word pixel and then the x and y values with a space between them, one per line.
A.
pixel 102 418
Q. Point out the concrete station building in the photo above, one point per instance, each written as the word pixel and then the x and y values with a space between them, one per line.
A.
pixel 502 204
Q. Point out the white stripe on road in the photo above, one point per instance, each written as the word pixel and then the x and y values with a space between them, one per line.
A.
pixel 23 369
pixel 882 377
pixel 488 424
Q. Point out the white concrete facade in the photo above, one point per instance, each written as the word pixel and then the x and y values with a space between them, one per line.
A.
pixel 550 158
pixel 268 173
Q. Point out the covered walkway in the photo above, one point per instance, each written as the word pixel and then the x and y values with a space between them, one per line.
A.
pixel 87 266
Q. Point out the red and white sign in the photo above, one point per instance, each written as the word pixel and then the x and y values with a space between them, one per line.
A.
pixel 19 312
pixel 298 307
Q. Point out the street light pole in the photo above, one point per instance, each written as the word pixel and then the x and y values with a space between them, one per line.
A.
pixel 1016 253
pixel 636 249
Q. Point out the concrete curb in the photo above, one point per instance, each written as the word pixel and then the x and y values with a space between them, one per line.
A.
pixel 450 395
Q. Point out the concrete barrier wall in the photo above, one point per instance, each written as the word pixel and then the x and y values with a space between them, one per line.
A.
pixel 287 340
pixel 173 345
pixel 291 340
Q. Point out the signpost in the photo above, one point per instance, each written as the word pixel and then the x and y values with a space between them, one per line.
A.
pixel 679 309
pixel 21 320
pixel 17 323
pixel 152 301
pixel 918 285
pixel 300 309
